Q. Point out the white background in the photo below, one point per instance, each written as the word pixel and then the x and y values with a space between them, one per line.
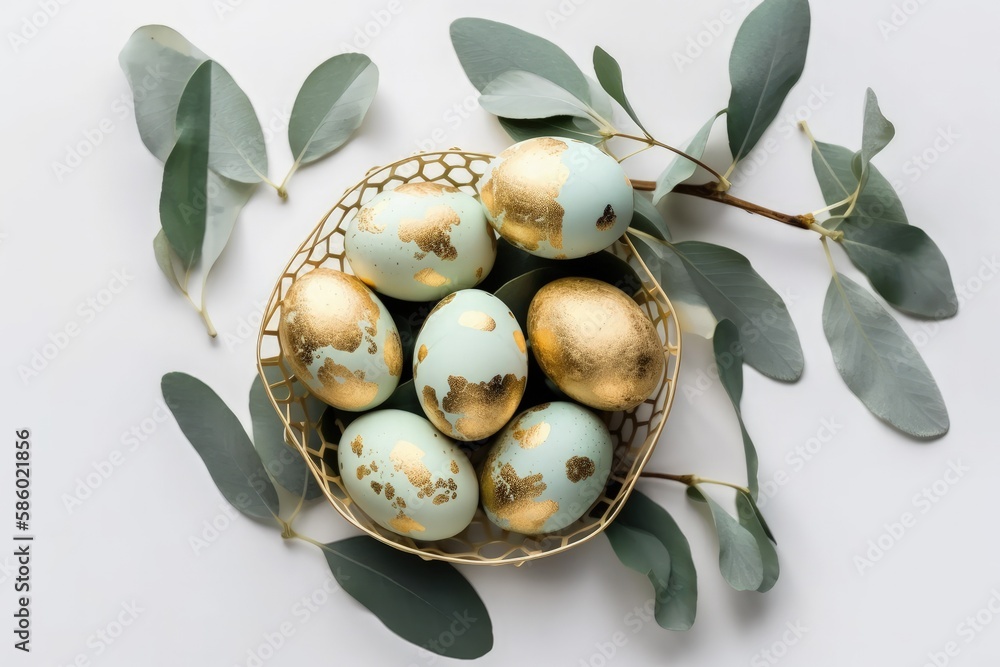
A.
pixel 63 238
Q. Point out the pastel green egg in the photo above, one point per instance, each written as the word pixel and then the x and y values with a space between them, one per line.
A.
pixel 340 340
pixel 420 242
pixel 407 476
pixel 546 468
pixel 470 365
pixel 558 198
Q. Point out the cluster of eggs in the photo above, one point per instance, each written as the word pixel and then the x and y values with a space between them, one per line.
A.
pixel 423 241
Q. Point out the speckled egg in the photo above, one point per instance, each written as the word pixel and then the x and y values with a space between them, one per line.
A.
pixel 557 198
pixel 340 340
pixel 407 476
pixel 420 242
pixel 595 343
pixel 470 365
pixel 546 469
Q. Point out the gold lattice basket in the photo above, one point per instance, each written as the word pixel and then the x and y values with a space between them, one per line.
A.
pixel 634 433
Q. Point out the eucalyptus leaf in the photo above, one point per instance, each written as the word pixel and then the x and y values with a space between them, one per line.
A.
pixel 676 606
pixel 766 61
pixel 903 264
pixel 284 463
pixel 740 558
pixel 331 105
pixel 558 126
pixel 421 601
pixel 729 360
pixel 236 142
pixel 733 290
pixel 599 101
pixel 218 437
pixel 680 168
pixel 647 218
pixel 749 518
pixel 693 314
pixel 879 363
pixel 519 94
pixel 487 49
pixel 158 61
pixel 643 552
pixel 165 258
pixel 876 134
pixel 609 74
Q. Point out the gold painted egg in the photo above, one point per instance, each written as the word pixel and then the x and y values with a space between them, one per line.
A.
pixel 340 340
pixel 407 476
pixel 546 468
pixel 420 242
pixel 470 365
pixel 595 343
pixel 557 198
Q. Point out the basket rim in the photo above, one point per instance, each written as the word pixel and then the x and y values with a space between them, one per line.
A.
pixel 655 292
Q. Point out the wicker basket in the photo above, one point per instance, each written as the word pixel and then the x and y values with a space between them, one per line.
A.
pixel 634 433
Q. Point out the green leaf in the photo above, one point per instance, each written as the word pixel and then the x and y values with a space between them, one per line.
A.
pixel 693 314
pixel 331 105
pixel 740 559
pixel 878 199
pixel 647 218
pixel 165 258
pixel 751 519
pixel 519 94
pixel 225 200
pixel 609 73
pixel 903 264
pixel 733 290
pixel 676 606
pixel 284 463
pixel 879 363
pixel 158 62
pixel 766 61
pixel 236 142
pixel 487 49
pixel 680 168
pixel 424 602
pixel 729 360
pixel 218 437
pixel 876 134
pixel 558 126
pixel 643 552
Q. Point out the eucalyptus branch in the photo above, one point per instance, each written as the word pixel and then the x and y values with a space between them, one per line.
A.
pixel 693 480
pixel 722 183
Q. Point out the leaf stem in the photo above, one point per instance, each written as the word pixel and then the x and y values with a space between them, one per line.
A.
pixel 203 312
pixel 722 182
pixel 282 191
pixel 693 480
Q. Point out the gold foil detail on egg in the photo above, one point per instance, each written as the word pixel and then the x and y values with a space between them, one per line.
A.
pixel 363 471
pixel 376 487
pixel 432 233
pixel 357 446
pixel 512 499
pixel 485 406
pixel 519 341
pixel 607 221
pixel 425 188
pixel 595 343
pixel 477 319
pixel 390 491
pixel 408 458
pixel 366 218
pixel 422 353
pixel 433 410
pixel 430 277
pixel 579 468
pixel 349 389
pixel 442 303
pixel 405 524
pixel 454 467
pixel 533 436
pixel 392 353
pixel 521 192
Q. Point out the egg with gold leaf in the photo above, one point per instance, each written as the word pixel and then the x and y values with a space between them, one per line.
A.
pixel 556 197
pixel 470 365
pixel 420 241
pixel 339 340
pixel 546 468
pixel 595 343
pixel 407 476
